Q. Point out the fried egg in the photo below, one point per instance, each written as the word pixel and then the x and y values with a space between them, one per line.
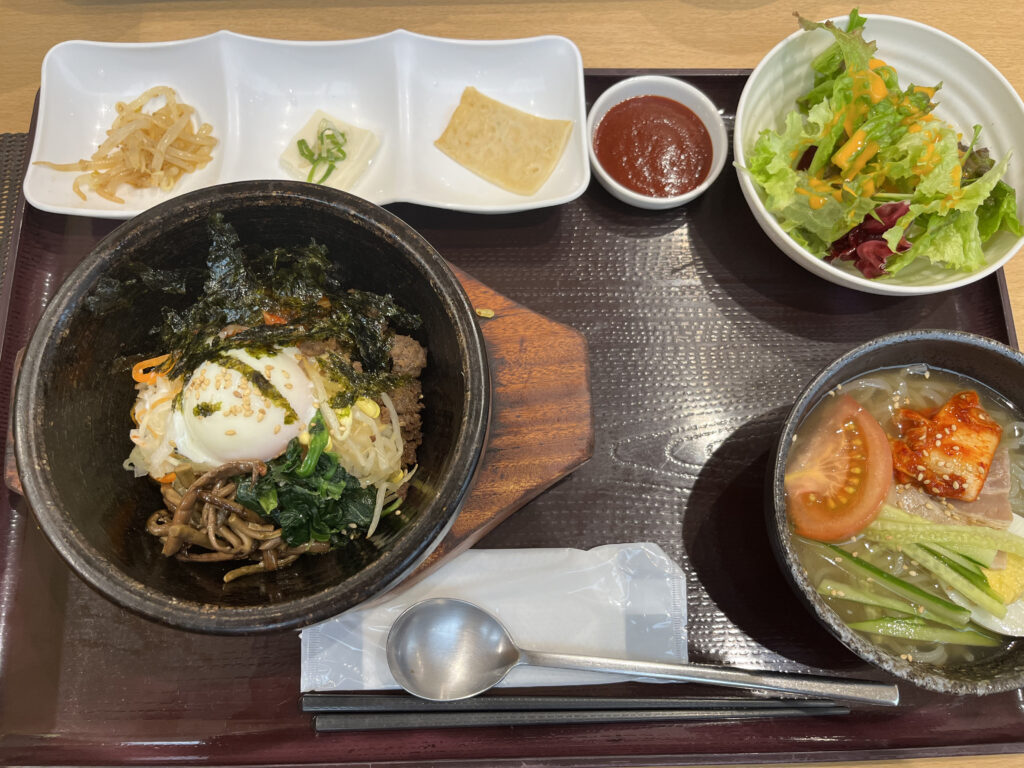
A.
pixel 245 404
pixel 242 406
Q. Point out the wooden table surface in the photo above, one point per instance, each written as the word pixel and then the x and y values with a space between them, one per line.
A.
pixel 609 33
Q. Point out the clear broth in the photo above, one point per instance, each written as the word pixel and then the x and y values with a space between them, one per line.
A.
pixel 882 393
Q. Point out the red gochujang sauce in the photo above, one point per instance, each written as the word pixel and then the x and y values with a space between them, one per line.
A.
pixel 654 145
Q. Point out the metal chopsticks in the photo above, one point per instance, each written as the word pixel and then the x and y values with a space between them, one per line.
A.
pixel 365 712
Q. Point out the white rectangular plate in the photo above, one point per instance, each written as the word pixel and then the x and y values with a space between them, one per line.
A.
pixel 257 93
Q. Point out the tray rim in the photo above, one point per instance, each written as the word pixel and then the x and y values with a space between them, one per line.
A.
pixel 665 759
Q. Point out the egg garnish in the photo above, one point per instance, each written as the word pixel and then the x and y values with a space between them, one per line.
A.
pixel 243 406
pixel 1009 584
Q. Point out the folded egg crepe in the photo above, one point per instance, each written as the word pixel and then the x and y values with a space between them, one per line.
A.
pixel 508 147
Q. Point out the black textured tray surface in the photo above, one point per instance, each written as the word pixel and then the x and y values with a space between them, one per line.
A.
pixel 701 333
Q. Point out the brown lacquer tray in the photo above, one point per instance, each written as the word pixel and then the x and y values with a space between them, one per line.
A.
pixel 700 334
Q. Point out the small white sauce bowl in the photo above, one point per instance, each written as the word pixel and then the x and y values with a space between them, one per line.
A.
pixel 670 88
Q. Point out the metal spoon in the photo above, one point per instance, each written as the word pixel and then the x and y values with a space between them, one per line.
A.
pixel 444 649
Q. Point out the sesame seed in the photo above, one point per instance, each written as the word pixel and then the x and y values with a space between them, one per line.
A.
pixel 277 428
pixel 229 432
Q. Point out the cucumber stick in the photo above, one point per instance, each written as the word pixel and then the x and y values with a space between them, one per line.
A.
pixel 951 536
pixel 962 560
pixel 916 629
pixel 957 578
pixel 986 558
pixel 843 591
pixel 935 607
pixel 983 556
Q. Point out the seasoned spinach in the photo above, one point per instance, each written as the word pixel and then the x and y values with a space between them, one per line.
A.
pixel 309 494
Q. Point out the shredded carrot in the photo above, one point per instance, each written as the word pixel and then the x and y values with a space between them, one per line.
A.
pixel 143 372
pixel 168 478
pixel 269 318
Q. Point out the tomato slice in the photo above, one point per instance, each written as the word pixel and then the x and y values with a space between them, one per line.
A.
pixel 838 474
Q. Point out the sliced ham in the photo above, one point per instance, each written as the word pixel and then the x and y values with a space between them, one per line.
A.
pixel 991 508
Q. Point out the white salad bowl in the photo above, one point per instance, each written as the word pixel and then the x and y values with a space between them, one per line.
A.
pixel 973 93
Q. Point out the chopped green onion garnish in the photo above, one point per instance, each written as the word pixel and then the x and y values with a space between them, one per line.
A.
pixel 325 154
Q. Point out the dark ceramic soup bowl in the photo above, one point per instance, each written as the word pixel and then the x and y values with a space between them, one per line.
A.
pixel 993 364
pixel 74 394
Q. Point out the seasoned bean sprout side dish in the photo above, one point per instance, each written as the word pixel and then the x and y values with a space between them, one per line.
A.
pixel 284 416
pixel 905 491
pixel 865 170
pixel 144 149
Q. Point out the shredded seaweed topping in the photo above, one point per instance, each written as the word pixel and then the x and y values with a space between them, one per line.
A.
pixel 257 300
pixel 204 409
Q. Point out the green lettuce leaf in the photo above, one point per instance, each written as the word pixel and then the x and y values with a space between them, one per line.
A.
pixel 999 211
pixel 951 235
pixel 855 52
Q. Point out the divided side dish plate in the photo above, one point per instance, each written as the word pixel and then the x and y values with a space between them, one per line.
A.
pixel 257 93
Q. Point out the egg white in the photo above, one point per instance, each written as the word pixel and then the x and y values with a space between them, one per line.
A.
pixel 241 422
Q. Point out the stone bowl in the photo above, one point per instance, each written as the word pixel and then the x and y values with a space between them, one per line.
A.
pixel 74 394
